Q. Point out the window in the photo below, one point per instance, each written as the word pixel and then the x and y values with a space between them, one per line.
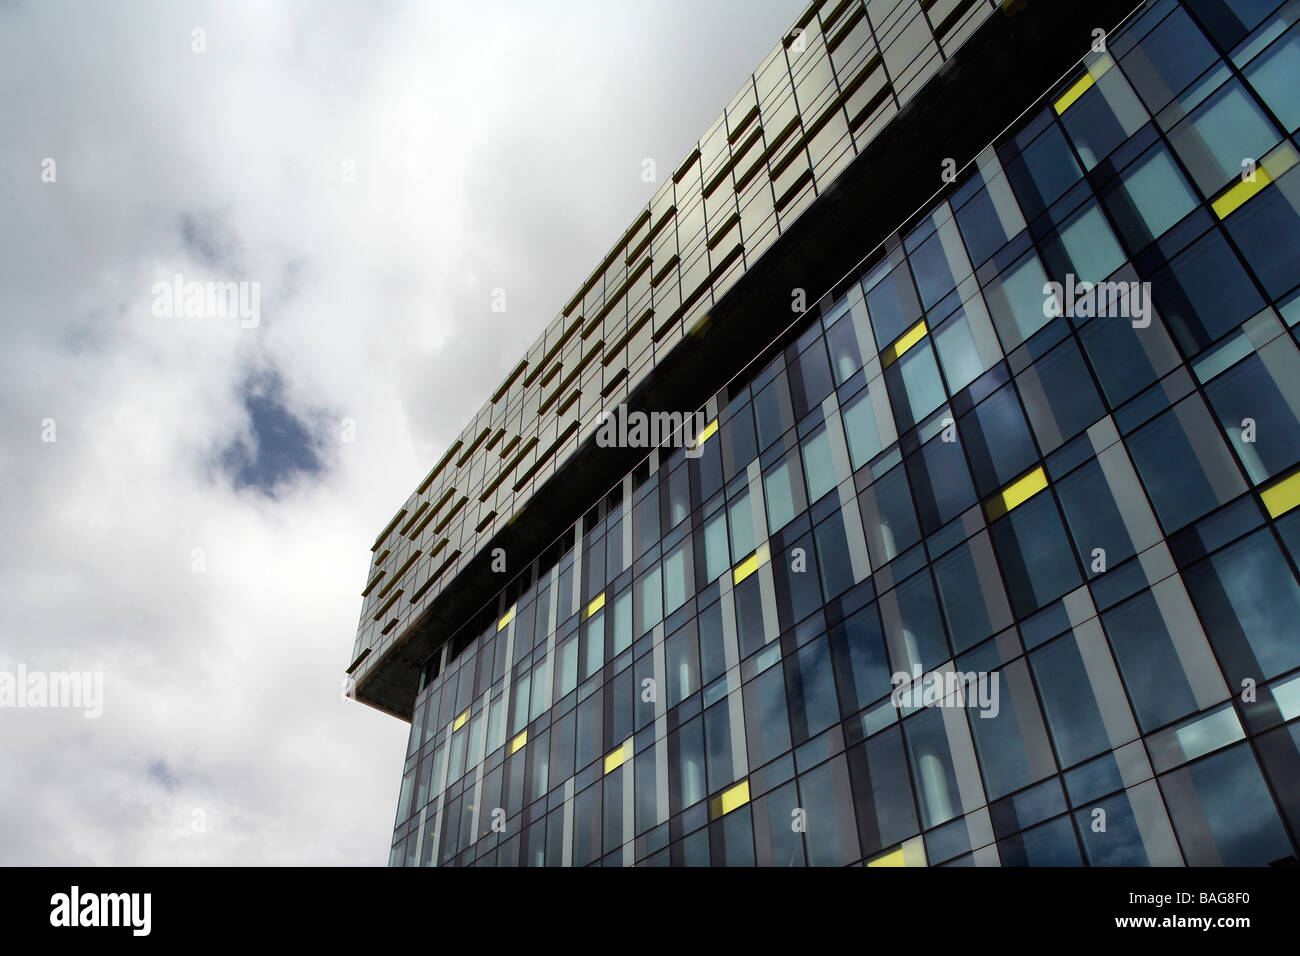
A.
pixel 1059 395
pixel 1043 172
pixel 1084 246
pixel 1149 662
pixel 932 769
pixel 682 664
pixel 913 627
pixel 891 301
pixel 1254 638
pixel 772 412
pixel 1267 230
pixel 810 378
pixel 1227 128
pixel 717 746
pixel 1034 554
pixel 1224 813
pixel 883 795
pixel 1273 75
pixel 888 517
pixel 766 718
pixel 812 690
pixel 782 488
pixel 675 578
pixel 716 559
pixel 1182 462
pixel 861 666
pixel 941 483
pixel 997 440
pixel 819 467
pixel 860 429
pixel 1248 392
pixel 1167 59
pixel 843 342
pixel 1094 518
pixel 970 593
pixel 1150 197
pixel 1015 298
pixel 833 556
pixel 741 519
pixel 650 597
pixel 1068 701
pixel 986 225
pixel 713 658
pixel 960 356
pixel 828 815
pixel 915 389
pixel 1103 117
pixel 1009 738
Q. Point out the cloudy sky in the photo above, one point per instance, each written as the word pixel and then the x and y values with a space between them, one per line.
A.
pixel 179 511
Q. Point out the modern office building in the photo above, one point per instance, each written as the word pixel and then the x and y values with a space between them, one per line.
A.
pixel 992 314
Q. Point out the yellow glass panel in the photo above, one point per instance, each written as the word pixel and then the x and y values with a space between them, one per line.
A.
pixel 751 564
pixel 1283 496
pixel 519 741
pixel 905 342
pixel 596 604
pixel 459 722
pixel 1016 493
pixel 706 433
pixel 501 624
pixel 1074 92
pixel 1240 194
pixel 893 858
pixel 730 799
pixel 617 758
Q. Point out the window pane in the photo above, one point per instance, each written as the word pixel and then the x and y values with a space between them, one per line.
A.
pixel 885 812
pixel 932 769
pixel 818 465
pixel 1273 75
pixel 891 302
pixel 1227 128
pixel 812 690
pixel 1168 59
pixel 915 389
pixel 888 517
pixel 741 520
pixel 1068 701
pixel 1094 518
pixel 1151 197
pixel 1182 462
pixel 1204 293
pixel 860 429
pixel 766 721
pixel 1248 392
pixel 1034 554
pixel 1254 638
pixel 779 496
pixel 861 666
pixel 1224 813
pixel 1148 661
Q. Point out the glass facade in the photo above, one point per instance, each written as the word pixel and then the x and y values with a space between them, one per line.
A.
pixel 818 99
pixel 1047 433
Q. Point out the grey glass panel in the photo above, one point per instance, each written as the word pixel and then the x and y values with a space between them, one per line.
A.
pixel 1068 701
pixel 1149 662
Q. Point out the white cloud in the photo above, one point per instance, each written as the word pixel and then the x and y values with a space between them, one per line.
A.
pixel 495 145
